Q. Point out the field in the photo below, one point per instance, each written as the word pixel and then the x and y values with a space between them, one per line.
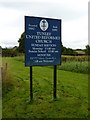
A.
pixel 72 91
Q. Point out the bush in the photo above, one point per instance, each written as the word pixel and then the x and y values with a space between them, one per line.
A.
pixel 9 52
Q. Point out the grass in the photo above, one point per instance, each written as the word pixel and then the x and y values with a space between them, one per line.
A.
pixel 72 93
pixel 78 64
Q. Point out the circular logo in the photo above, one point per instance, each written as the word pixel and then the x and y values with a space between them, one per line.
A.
pixel 43 25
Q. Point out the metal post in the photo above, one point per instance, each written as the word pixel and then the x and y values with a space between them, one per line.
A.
pixel 55 82
pixel 31 92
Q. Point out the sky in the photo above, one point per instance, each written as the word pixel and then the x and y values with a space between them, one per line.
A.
pixel 74 15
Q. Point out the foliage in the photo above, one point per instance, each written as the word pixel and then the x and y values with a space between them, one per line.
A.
pixel 79 67
pixel 77 64
pixel 68 51
pixel 75 58
pixel 7 52
pixel 72 96
pixel 21 43
pixel 87 50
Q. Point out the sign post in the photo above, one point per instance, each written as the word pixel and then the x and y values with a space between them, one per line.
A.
pixel 42 45
pixel 31 89
pixel 55 82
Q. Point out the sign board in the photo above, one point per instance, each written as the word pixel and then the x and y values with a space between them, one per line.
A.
pixel 42 41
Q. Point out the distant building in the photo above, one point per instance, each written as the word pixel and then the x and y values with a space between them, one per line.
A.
pixel 80 52
pixel 15 47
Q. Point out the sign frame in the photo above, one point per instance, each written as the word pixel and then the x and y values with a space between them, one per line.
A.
pixel 59 63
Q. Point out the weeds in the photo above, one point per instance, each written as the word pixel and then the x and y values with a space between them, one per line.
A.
pixel 7 80
pixel 74 66
pixel 75 58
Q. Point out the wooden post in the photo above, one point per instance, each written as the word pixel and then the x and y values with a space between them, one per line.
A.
pixel 6 66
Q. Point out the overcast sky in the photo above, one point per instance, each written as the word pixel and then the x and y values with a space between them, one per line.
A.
pixel 74 15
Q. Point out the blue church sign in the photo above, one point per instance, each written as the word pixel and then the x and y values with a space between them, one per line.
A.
pixel 42 41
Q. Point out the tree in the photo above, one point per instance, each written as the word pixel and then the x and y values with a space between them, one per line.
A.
pixel 68 51
pixel 87 50
pixel 9 52
pixel 22 43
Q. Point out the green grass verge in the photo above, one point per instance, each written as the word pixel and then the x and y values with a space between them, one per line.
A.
pixel 72 93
